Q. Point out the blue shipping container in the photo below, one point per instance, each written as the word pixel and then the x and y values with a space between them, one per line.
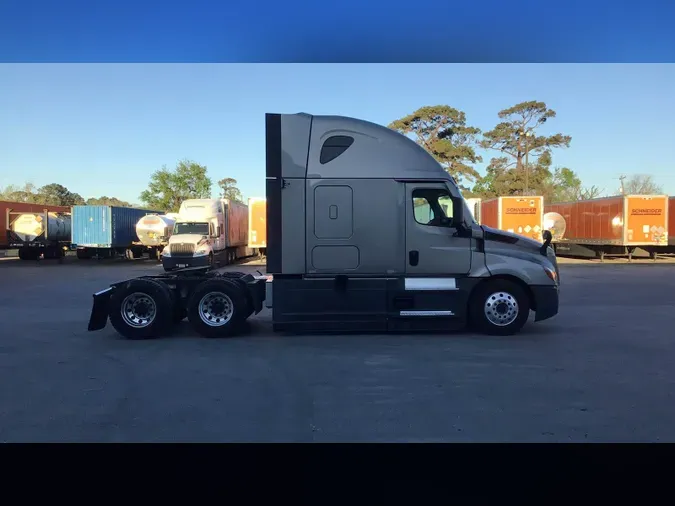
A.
pixel 105 226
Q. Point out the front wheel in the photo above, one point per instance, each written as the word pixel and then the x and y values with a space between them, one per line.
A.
pixel 217 308
pixel 500 308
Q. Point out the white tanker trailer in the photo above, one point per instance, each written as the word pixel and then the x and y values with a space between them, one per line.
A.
pixel 555 223
pixel 39 235
pixel 154 230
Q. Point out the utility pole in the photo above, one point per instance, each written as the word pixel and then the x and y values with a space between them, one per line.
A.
pixel 621 188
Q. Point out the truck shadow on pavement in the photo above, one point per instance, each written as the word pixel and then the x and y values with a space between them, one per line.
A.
pixel 261 328
pixel 16 263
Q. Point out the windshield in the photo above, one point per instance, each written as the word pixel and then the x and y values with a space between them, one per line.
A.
pixel 191 228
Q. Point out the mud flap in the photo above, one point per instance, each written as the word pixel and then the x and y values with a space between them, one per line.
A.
pixel 257 291
pixel 99 311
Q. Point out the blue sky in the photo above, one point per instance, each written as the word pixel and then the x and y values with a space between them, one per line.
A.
pixel 102 129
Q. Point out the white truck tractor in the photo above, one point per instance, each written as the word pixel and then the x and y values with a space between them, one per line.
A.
pixel 198 235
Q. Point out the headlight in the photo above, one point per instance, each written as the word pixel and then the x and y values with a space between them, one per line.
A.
pixel 166 252
pixel 201 251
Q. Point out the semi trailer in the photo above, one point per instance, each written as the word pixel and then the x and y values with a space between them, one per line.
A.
pixel 257 225
pixel 8 208
pixel 154 231
pixel 519 215
pixel 106 231
pixel 670 248
pixel 348 249
pixel 609 226
pixel 38 235
pixel 474 205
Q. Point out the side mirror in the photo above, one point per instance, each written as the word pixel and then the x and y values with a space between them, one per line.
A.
pixel 548 237
pixel 458 212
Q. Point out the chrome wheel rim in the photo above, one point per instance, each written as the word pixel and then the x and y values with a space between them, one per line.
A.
pixel 501 309
pixel 138 310
pixel 216 309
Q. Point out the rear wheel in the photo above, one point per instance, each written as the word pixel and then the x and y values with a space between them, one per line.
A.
pixel 141 309
pixel 500 307
pixel 217 308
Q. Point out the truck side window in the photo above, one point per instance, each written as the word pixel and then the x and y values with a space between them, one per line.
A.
pixel 432 207
pixel 334 147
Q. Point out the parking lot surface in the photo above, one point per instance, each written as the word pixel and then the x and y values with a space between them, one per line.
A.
pixel 602 370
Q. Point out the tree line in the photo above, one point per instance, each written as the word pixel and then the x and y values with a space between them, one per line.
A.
pixel 523 157
pixel 522 163
pixel 54 194
pixel 166 190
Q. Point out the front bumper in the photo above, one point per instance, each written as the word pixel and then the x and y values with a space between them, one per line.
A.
pixel 546 300
pixel 171 263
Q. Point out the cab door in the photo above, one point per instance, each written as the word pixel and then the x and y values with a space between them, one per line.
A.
pixel 433 246
pixel 436 256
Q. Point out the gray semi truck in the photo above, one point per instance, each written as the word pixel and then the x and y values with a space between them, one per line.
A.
pixel 365 232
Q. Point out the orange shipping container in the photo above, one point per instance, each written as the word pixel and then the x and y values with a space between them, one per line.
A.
pixel 257 222
pixel 519 215
pixel 22 207
pixel 624 220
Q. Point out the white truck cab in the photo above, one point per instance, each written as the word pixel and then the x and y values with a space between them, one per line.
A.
pixel 198 235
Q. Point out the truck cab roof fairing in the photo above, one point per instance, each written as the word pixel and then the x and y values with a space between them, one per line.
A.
pixel 358 149
pixel 295 142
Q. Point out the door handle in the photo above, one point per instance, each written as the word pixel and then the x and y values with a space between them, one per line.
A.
pixel 414 257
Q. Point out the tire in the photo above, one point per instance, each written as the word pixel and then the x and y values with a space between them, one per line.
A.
pixel 83 254
pixel 499 308
pixel 152 254
pixel 224 315
pixel 123 312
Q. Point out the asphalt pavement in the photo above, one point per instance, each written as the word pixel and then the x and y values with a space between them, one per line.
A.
pixel 600 371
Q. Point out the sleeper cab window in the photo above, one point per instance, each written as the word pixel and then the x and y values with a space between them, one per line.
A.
pixel 333 147
pixel 432 207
